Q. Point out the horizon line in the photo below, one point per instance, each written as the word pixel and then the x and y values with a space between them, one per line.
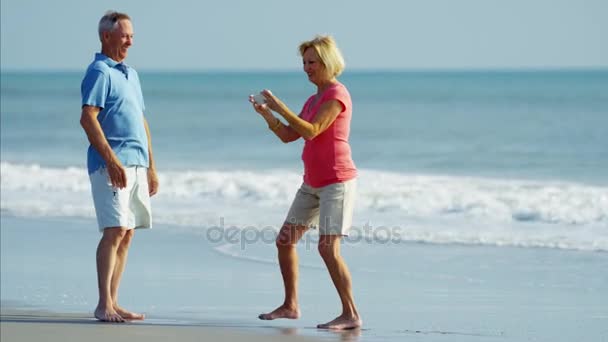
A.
pixel 356 70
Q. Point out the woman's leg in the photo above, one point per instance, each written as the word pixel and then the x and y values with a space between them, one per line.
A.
pixel 288 261
pixel 329 248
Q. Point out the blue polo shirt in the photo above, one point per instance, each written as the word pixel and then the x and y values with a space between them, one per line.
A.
pixel 115 88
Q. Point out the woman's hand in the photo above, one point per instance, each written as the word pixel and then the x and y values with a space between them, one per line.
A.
pixel 272 101
pixel 261 108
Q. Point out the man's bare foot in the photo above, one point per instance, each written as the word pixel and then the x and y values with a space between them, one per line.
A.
pixel 342 323
pixel 128 315
pixel 281 312
pixel 108 315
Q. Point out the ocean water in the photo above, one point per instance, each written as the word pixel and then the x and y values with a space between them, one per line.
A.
pixel 493 158
pixel 481 215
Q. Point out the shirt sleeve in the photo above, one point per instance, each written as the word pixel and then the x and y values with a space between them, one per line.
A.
pixel 337 93
pixel 94 89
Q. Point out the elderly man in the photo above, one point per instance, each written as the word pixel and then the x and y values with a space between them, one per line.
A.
pixel 119 159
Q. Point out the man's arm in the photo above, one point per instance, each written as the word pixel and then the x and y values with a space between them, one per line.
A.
pixel 152 177
pixel 88 121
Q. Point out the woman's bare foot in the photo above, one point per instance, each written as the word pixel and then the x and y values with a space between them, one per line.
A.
pixel 281 312
pixel 342 323
pixel 128 315
pixel 108 315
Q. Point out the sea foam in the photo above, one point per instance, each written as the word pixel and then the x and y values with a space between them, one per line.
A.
pixel 409 207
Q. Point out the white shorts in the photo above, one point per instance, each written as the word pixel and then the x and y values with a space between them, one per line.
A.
pixel 329 207
pixel 129 207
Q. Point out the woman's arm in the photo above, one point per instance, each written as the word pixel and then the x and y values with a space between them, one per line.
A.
pixel 327 114
pixel 283 132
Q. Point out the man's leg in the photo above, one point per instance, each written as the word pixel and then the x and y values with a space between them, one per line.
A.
pixel 106 263
pixel 119 267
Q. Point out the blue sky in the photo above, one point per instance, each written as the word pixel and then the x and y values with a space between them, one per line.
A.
pixel 264 34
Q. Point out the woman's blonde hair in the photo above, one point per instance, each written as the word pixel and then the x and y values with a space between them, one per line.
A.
pixel 328 52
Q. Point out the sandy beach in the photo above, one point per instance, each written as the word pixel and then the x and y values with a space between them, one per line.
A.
pixel 32 325
pixel 192 289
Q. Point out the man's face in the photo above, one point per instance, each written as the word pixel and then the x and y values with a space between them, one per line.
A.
pixel 117 42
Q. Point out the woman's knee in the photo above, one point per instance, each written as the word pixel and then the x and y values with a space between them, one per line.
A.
pixel 284 242
pixel 288 237
pixel 329 247
pixel 327 251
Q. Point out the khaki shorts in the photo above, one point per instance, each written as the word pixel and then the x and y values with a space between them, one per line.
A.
pixel 329 207
pixel 129 207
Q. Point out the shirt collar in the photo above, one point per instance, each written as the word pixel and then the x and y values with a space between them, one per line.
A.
pixel 122 67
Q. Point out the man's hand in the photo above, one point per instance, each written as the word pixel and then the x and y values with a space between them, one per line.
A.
pixel 152 182
pixel 118 175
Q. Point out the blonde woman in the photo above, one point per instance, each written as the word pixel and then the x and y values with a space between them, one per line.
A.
pixel 326 196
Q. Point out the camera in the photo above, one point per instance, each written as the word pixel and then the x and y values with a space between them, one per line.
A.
pixel 259 99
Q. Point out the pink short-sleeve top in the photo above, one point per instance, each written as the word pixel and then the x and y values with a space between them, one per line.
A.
pixel 327 157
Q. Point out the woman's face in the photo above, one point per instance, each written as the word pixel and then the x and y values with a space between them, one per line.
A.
pixel 313 66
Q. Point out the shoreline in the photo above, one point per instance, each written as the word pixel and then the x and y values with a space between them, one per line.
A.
pixel 37 325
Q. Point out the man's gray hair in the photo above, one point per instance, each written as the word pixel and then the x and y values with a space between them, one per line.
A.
pixel 108 22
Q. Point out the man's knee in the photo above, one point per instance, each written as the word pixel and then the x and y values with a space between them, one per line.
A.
pixel 115 235
pixel 126 239
pixel 128 234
